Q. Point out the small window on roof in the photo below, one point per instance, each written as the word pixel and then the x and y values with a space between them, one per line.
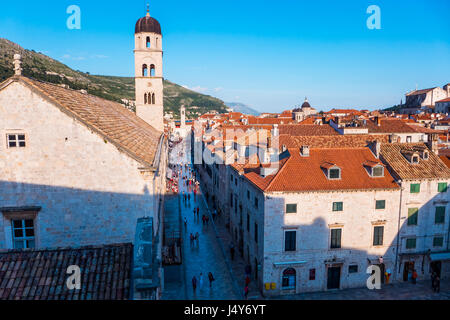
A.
pixel 334 173
pixel 415 159
pixel 378 171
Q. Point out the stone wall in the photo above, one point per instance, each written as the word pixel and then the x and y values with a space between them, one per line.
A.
pixel 89 191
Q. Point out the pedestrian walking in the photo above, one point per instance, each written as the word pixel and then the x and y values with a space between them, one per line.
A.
pixel 198 212
pixel 185 224
pixel 246 292
pixel 214 214
pixel 211 279
pixel 247 280
pixel 201 281
pixel 414 277
pixel 204 219
pixel 192 240
pixel 437 284
pixel 248 270
pixel 194 284
pixel 197 236
pixel 232 251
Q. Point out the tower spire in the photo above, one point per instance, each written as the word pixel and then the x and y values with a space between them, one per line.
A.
pixel 148 9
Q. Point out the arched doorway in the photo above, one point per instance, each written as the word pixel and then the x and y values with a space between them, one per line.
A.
pixel 289 279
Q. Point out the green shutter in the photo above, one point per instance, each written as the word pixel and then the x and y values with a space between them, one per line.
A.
pixel 380 204
pixel 415 188
pixel 410 243
pixel 291 208
pixel 413 214
pixel 442 187
pixel 439 216
pixel 338 206
pixel 438 241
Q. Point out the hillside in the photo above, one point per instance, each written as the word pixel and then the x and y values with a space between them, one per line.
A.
pixel 242 108
pixel 39 66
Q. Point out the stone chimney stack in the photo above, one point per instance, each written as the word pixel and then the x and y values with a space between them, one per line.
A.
pixel 276 132
pixel 18 64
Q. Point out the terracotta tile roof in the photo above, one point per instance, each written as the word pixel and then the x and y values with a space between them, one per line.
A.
pixel 111 120
pixel 420 129
pixel 335 141
pixel 41 274
pixel 299 173
pixel 389 126
pixel 307 130
pixel 394 156
pixel 444 100
pixel 446 160
pixel 417 92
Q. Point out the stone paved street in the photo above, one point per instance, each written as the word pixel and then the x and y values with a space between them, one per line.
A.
pixel 212 256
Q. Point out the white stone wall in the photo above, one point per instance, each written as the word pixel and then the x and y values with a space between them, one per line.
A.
pixel 313 221
pixel 426 229
pixel 89 191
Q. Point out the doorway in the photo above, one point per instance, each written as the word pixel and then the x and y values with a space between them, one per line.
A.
pixel 436 267
pixel 334 278
pixel 408 270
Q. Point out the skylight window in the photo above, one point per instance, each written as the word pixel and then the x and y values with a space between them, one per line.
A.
pixel 334 173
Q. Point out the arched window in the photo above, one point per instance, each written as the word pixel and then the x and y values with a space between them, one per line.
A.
pixel 145 98
pixel 144 71
pixel 289 279
pixel 148 43
pixel 157 43
pixel 153 98
pixel 152 70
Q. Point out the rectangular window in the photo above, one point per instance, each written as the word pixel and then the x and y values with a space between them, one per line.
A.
pixel 256 232
pixel 415 188
pixel 335 173
pixel 378 233
pixel 290 239
pixel 380 204
pixel 353 268
pixel 439 216
pixel 256 202
pixel 413 214
pixel 378 172
pixel 338 206
pixel 411 243
pixel 312 274
pixel 16 140
pixel 442 187
pixel 438 241
pixel 231 200
pixel 248 194
pixel 23 234
pixel 248 222
pixel 336 238
pixel 291 208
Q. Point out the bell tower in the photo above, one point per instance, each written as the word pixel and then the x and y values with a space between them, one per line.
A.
pixel 148 57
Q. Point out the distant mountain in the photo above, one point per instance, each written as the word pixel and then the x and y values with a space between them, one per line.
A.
pixel 41 67
pixel 242 108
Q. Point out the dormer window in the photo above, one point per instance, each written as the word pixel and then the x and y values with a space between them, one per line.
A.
pixel 415 159
pixel 378 171
pixel 332 171
pixel 425 155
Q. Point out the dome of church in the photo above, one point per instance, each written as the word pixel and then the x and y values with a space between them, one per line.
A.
pixel 148 24
pixel 306 104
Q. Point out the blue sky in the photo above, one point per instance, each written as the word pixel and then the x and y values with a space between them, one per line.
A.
pixel 267 54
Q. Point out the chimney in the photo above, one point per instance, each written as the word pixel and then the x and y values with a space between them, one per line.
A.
pixel 18 64
pixel 377 121
pixel 377 149
pixel 276 132
pixel 433 143
pixel 304 151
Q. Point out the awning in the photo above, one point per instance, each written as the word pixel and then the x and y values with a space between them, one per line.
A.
pixel 288 263
pixel 440 256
